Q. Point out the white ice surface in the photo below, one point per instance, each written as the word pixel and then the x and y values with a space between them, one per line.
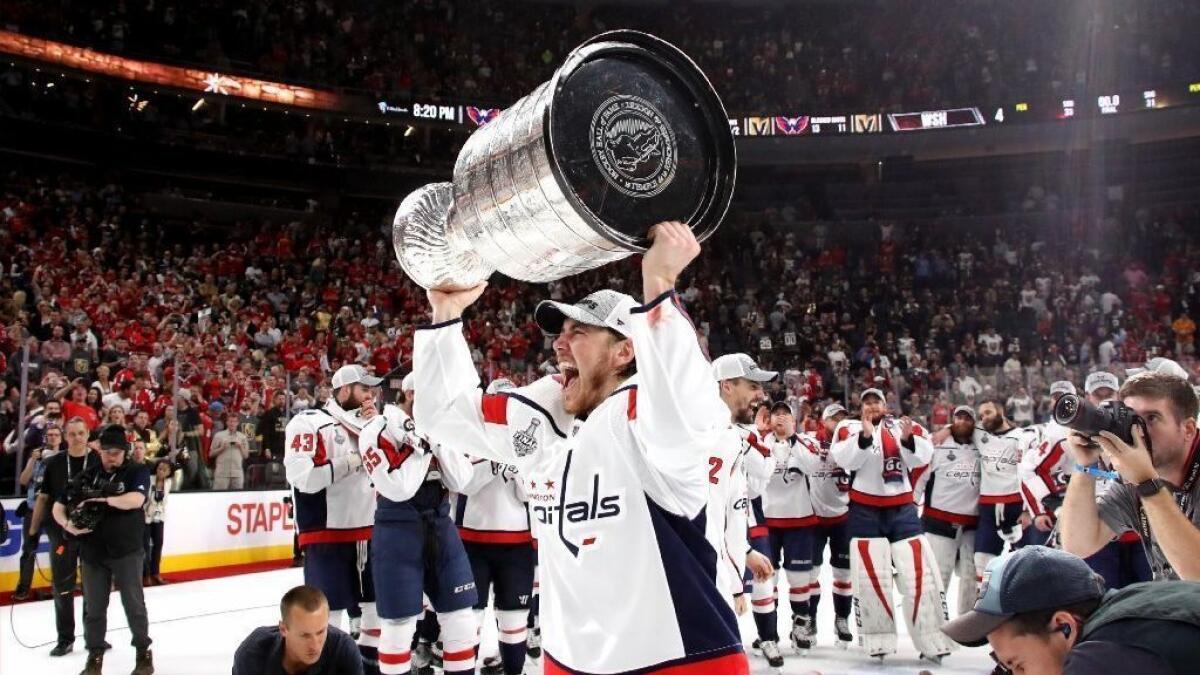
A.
pixel 196 627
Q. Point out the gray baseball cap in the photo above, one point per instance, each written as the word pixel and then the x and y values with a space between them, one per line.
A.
pixel 605 308
pixel 353 374
pixel 1099 380
pixel 1062 387
pixel 731 366
pixel 831 410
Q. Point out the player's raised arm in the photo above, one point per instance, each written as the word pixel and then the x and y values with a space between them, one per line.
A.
pixel 678 399
pixel 851 444
pixel 450 408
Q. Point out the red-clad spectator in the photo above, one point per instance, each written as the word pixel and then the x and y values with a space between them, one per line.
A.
pixel 77 406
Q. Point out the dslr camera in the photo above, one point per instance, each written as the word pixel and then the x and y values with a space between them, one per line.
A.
pixel 85 515
pixel 1078 414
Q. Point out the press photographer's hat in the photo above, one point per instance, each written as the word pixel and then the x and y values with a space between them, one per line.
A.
pixel 113 437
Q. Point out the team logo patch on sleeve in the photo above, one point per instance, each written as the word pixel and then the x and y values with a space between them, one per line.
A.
pixel 525 441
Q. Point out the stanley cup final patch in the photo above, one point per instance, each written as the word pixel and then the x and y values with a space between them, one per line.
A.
pixel 525 441
pixel 633 146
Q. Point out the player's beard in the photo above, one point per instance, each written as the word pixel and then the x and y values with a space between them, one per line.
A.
pixel 962 433
pixel 352 404
pixel 992 425
pixel 745 414
pixel 583 392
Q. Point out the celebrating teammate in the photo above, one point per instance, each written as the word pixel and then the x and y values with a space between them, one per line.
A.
pixel 614 452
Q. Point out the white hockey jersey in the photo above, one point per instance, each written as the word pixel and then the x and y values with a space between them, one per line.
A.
pixel 786 502
pixel 999 457
pixel 828 485
pixel 757 459
pixel 881 470
pixel 949 486
pixel 491 507
pixel 619 498
pixel 1044 470
pixel 727 512
pixel 333 497
pixel 409 473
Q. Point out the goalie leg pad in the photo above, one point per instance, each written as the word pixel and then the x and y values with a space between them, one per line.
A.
pixel 945 552
pixel 968 576
pixel 924 599
pixel 871 576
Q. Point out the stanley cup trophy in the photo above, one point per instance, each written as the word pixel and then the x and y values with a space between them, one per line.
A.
pixel 628 133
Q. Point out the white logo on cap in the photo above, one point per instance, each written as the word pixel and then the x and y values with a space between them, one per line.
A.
pixel 633 146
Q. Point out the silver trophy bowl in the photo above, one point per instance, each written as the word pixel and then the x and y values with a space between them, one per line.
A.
pixel 628 133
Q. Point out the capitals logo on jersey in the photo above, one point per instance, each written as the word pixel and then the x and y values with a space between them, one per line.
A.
pixel 792 126
pixel 596 507
pixel 481 116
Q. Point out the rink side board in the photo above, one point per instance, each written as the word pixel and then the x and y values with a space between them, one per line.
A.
pixel 208 534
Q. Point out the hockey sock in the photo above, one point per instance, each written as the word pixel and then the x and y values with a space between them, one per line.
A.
pixel 512 633
pixel 368 639
pixel 395 641
pixel 459 636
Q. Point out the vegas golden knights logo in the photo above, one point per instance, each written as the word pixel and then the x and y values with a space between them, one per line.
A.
pixel 760 126
pixel 866 124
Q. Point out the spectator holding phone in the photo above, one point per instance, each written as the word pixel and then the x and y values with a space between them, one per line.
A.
pixel 156 513
pixel 229 451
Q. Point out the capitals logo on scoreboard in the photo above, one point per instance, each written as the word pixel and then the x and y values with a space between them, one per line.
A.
pixel 760 126
pixel 792 126
pixel 481 116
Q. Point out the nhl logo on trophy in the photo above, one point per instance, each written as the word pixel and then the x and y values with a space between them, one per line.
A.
pixel 633 146
pixel 627 133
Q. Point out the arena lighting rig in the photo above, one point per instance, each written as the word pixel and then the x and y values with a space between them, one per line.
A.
pixel 462 114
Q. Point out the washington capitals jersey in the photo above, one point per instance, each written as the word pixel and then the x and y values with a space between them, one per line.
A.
pixel 949 487
pixel 491 507
pixel 1045 468
pixel 786 503
pixel 828 484
pixel 618 498
pixel 999 456
pixel 726 514
pixel 881 470
pixel 411 475
pixel 333 496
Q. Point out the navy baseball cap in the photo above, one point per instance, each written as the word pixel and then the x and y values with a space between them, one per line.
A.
pixel 1032 579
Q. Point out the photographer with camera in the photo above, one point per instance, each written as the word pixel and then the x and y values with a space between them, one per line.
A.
pixel 64 548
pixel 103 507
pixel 31 528
pixel 1148 439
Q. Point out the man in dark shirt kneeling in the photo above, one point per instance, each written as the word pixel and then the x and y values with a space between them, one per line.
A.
pixel 302 644
pixel 1044 611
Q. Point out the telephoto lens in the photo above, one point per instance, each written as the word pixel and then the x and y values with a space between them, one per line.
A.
pixel 1078 414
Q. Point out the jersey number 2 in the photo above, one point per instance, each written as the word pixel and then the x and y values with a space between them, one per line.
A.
pixel 715 463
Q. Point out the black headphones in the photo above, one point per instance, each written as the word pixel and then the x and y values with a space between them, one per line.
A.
pixel 1065 629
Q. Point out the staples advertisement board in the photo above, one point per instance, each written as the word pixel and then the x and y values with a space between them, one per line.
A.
pixel 207 534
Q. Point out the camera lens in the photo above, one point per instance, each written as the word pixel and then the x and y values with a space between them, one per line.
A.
pixel 1066 410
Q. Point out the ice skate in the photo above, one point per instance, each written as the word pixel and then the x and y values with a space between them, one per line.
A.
pixel 802 634
pixel 842 627
pixel 770 652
